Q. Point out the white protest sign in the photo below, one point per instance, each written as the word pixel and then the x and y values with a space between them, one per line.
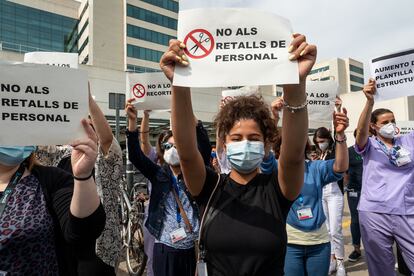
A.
pixel 41 105
pixel 152 91
pixel 53 58
pixel 234 47
pixel 394 75
pixel 228 95
pixel 405 127
pixel 321 102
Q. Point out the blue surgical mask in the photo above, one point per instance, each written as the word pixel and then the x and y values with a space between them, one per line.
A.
pixel 245 156
pixel 13 156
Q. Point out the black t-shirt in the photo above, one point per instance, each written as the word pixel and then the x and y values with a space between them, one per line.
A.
pixel 355 170
pixel 247 236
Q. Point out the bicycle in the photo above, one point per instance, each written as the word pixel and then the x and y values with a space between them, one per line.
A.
pixel 132 214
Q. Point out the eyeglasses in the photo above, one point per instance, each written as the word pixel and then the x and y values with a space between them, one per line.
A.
pixel 167 146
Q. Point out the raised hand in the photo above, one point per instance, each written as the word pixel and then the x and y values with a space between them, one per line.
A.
pixel 130 109
pixel 174 54
pixel 84 152
pixel 277 106
pixel 341 121
pixel 369 90
pixel 304 53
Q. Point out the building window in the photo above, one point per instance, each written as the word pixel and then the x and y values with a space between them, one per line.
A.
pixel 166 4
pixel 148 35
pixel 318 70
pixel 151 17
pixel 143 53
pixel 326 78
pixel 29 29
pixel 140 69
pixel 356 69
pixel 356 79
pixel 355 88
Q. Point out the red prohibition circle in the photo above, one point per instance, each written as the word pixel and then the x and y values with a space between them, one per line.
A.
pixel 199 43
pixel 138 90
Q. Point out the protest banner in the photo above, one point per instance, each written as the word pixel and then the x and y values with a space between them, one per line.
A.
pixel 405 127
pixel 41 105
pixel 228 95
pixel 152 91
pixel 69 60
pixel 234 46
pixel 321 102
pixel 394 75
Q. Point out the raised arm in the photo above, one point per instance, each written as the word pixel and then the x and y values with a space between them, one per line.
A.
pixel 135 154
pixel 144 134
pixel 364 118
pixel 102 128
pixel 341 122
pixel 295 124
pixel 183 123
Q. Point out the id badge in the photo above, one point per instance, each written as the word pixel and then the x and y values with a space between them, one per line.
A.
pixel 353 194
pixel 304 213
pixel 178 235
pixel 202 268
pixel 404 158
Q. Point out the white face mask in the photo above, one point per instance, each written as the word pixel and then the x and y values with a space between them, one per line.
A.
pixel 388 131
pixel 171 157
pixel 323 146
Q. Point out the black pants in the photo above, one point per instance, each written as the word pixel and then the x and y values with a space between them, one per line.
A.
pixel 355 230
pixel 402 266
pixel 168 261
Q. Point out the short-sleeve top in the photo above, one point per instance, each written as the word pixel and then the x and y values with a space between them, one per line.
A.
pixel 387 188
pixel 247 236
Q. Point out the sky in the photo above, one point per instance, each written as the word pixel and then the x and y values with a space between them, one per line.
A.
pixel 359 29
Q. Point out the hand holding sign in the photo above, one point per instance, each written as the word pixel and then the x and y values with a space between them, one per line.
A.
pixel 84 152
pixel 340 121
pixel 304 53
pixel 174 54
pixel 277 106
pixel 369 90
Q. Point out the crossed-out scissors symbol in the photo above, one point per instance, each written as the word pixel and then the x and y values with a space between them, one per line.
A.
pixel 200 42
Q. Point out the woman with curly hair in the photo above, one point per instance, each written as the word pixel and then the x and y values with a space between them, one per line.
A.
pixel 244 230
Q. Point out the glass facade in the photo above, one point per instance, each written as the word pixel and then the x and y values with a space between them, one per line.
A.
pixel 143 53
pixel 140 69
pixel 356 69
pixel 25 29
pixel 148 35
pixel 318 70
pixel 356 79
pixel 355 88
pixel 151 17
pixel 166 4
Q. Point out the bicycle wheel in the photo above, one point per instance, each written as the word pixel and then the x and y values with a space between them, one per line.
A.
pixel 136 258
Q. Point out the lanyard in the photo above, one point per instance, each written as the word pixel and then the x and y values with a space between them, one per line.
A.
pixel 10 187
pixel 392 153
pixel 177 191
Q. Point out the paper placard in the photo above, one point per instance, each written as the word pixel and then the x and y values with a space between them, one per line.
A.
pixel 41 105
pixel 405 127
pixel 152 91
pixel 394 75
pixel 228 95
pixel 321 102
pixel 234 47
pixel 69 60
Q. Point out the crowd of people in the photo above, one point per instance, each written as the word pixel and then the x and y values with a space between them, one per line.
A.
pixel 265 200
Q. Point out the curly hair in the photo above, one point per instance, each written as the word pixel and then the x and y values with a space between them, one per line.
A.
pixel 243 108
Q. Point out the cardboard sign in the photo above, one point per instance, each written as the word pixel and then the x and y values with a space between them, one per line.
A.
pixel 394 75
pixel 41 105
pixel 321 102
pixel 234 47
pixel 69 60
pixel 405 127
pixel 152 91
pixel 228 95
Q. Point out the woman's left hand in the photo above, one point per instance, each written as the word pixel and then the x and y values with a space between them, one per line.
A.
pixel 341 121
pixel 84 152
pixel 304 53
